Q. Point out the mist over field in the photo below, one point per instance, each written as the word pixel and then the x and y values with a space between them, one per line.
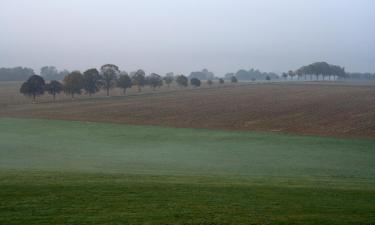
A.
pixel 187 35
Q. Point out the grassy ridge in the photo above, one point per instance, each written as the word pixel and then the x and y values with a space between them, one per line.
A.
pixel 60 172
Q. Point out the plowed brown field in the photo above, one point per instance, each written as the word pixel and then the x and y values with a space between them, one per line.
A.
pixel 316 109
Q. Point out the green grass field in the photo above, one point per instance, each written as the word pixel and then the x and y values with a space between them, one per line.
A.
pixel 62 172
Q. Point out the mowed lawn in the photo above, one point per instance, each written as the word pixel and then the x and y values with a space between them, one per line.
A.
pixel 62 172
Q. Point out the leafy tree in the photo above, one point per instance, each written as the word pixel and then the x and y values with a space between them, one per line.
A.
pixel 195 82
pixel 139 79
pixel 155 80
pixel 182 81
pixel 53 88
pixel 210 82
pixel 268 78
pixel 109 74
pixel 92 81
pixel 124 82
pixel 168 79
pixel 34 86
pixel 73 83
pixel 233 79
pixel 221 81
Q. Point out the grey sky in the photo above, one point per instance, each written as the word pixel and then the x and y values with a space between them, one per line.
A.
pixel 186 35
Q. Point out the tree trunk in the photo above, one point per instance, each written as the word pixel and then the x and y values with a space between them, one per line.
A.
pixel 72 96
pixel 54 97
pixel 107 92
pixel 34 96
pixel 124 91
pixel 139 88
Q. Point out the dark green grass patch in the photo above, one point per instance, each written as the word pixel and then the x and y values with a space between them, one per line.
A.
pixel 53 198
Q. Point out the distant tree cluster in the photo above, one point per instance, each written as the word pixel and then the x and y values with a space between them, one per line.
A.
pixel 202 75
pixel 15 74
pixel 51 73
pixel 252 74
pixel 360 76
pixel 318 69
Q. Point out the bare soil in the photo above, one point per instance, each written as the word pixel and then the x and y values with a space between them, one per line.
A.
pixel 339 110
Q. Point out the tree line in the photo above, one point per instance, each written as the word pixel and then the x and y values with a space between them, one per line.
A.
pixel 108 77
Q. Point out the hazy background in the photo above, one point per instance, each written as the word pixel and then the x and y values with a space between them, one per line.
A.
pixel 186 35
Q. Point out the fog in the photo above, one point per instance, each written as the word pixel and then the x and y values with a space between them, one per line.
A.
pixel 187 35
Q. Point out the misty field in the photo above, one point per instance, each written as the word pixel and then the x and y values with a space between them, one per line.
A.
pixel 64 172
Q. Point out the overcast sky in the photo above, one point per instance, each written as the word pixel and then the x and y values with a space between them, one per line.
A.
pixel 187 35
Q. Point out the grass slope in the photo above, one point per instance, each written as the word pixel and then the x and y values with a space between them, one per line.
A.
pixel 60 172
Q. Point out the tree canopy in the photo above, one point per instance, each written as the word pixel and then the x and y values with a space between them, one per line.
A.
pixel 34 86
pixel 73 83
pixel 109 74
pixel 92 81
pixel 182 81
pixel 124 82
pixel 154 80
pixel 139 79
pixel 54 87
